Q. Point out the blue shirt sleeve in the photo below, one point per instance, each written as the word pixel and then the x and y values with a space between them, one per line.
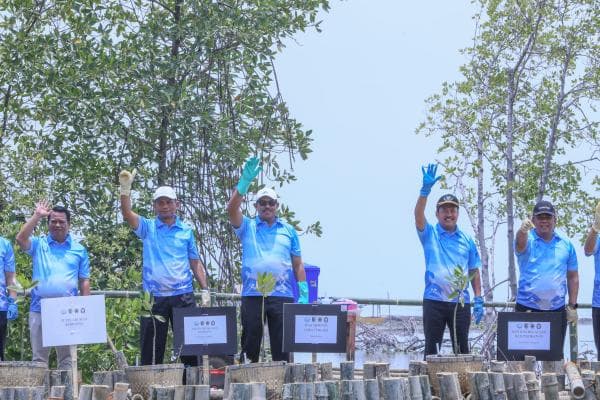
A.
pixel 474 259
pixel 84 265
pixel 142 229
pixel 425 234
pixel 192 248
pixel 35 241
pixel 240 232
pixel 572 261
pixel 9 258
pixel 295 245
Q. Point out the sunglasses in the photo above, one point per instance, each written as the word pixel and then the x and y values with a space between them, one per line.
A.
pixel 264 203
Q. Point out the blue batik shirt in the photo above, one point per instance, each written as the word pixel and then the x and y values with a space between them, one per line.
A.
pixel 543 270
pixel 443 252
pixel 596 295
pixel 7 258
pixel 268 249
pixel 57 267
pixel 167 251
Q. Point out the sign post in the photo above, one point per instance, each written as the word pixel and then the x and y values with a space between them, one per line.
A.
pixel 314 328
pixel 69 321
pixel 538 334
pixel 205 330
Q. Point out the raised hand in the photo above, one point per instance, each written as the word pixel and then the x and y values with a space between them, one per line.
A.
pixel 249 173
pixel 429 179
pixel 526 225
pixel 42 208
pixel 125 181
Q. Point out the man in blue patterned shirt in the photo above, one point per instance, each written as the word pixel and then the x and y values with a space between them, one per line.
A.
pixel 446 247
pixel 268 245
pixel 60 265
pixel 170 261
pixel 548 269
pixel 8 308
pixel 592 247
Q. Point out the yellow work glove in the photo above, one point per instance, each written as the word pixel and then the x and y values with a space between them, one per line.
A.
pixel 526 225
pixel 125 180
pixel 596 224
pixel 205 298
pixel 571 313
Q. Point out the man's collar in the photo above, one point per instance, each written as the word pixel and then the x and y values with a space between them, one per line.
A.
pixel 261 221
pixel 160 223
pixel 442 231
pixel 536 236
pixel 51 240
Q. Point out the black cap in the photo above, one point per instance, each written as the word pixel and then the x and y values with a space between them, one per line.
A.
pixel 544 207
pixel 447 199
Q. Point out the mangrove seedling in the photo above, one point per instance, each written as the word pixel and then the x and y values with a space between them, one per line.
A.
pixel 22 286
pixel 265 283
pixel 147 303
pixel 459 281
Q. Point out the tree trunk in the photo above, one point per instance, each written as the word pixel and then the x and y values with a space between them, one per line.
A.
pixel 483 251
pixel 352 389
pixel 371 389
pixel 510 179
pixel 346 370
pixel 248 391
pixel 326 371
pixel 575 382
pixel 449 386
pixel 550 386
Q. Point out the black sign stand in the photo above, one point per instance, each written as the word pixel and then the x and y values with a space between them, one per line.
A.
pixel 317 316
pixel 204 313
pixel 530 322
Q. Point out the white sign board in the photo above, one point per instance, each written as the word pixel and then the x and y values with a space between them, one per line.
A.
pixel 528 335
pixel 315 329
pixel 205 329
pixel 73 320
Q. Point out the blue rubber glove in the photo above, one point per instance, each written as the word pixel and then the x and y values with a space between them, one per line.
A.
pixel 303 292
pixel 478 308
pixel 13 311
pixel 429 179
pixel 250 171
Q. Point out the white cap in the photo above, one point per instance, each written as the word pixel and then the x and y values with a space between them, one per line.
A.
pixel 266 192
pixel 164 191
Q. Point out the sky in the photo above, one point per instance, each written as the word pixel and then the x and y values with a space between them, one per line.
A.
pixel 361 86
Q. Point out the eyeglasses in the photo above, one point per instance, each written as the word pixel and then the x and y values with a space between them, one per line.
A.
pixel 264 203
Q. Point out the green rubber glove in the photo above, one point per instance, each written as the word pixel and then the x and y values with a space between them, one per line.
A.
pixel 250 171
pixel 303 292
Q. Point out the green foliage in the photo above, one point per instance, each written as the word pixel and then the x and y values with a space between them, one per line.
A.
pixel 184 91
pixel 459 282
pixel 520 124
pixel 265 283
